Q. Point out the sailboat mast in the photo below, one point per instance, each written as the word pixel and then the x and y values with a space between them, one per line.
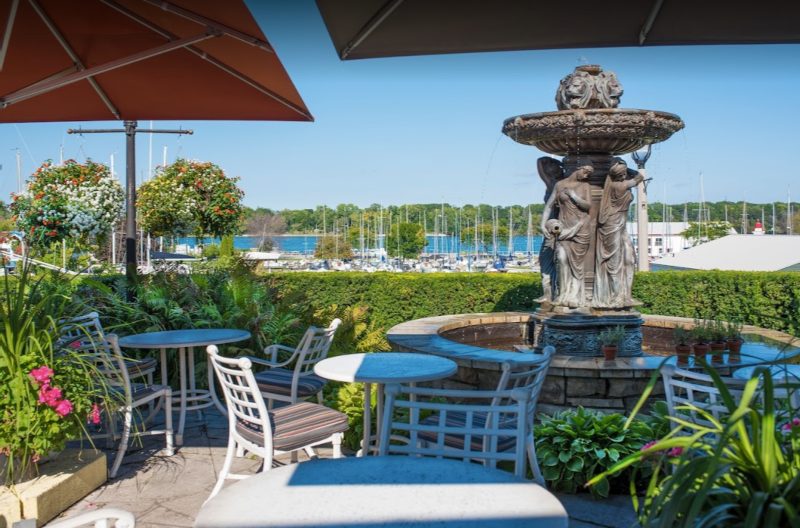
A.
pixel 510 231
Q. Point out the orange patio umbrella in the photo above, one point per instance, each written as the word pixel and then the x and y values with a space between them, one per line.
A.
pixel 91 60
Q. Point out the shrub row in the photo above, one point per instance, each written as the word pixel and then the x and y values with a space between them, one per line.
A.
pixel 770 300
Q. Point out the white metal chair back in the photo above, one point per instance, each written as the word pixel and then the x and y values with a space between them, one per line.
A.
pixel 314 347
pixel 82 332
pixel 528 373
pixel 103 518
pixel 494 425
pixel 685 387
pixel 243 398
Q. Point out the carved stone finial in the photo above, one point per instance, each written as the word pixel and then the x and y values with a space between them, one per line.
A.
pixel 589 87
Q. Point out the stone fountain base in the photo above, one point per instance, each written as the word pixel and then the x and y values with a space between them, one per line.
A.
pixel 576 334
pixel 480 342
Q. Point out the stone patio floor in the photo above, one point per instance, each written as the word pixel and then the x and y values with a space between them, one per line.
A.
pixel 169 491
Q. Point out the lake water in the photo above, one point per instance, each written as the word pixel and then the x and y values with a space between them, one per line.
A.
pixel 305 244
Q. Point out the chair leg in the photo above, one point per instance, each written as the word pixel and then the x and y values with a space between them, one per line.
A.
pixel 168 423
pixel 123 442
pixel 293 457
pixel 319 398
pixel 537 473
pixel 226 468
pixel 337 445
pixel 310 452
pixel 239 451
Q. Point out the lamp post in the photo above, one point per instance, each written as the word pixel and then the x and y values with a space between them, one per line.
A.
pixel 640 157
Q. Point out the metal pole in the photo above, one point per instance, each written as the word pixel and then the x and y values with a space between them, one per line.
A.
pixel 130 204
pixel 641 211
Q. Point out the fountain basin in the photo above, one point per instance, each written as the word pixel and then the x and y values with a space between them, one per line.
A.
pixel 612 131
pixel 479 343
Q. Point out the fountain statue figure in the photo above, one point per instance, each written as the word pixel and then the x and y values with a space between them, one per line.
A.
pixel 569 235
pixel 615 262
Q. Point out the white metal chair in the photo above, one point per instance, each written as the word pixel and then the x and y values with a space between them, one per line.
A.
pixel 487 426
pixel 103 518
pixel 251 427
pixel 127 396
pixel 685 387
pixel 293 379
pixel 82 333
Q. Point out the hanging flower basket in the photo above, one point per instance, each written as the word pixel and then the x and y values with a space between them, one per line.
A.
pixel 70 201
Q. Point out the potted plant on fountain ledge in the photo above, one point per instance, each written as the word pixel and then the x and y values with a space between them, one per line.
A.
pixel 733 334
pixel 700 338
pixel 682 338
pixel 717 337
pixel 610 341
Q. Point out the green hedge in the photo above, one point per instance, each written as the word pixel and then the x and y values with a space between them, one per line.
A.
pixel 393 298
pixel 770 300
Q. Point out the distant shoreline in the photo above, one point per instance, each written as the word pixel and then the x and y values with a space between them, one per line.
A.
pixel 283 235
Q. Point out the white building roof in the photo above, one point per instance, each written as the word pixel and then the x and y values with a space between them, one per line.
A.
pixel 739 253
pixel 661 228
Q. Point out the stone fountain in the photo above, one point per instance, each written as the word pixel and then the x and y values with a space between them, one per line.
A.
pixel 588 260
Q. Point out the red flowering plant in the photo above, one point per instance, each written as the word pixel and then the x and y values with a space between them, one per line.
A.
pixel 191 198
pixel 47 396
pixel 78 201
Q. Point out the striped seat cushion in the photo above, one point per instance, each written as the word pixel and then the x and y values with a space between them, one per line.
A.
pixel 279 381
pixel 459 419
pixel 140 367
pixel 297 425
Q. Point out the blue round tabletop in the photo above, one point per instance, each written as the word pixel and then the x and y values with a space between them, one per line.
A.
pixel 390 367
pixel 184 338
pixel 779 372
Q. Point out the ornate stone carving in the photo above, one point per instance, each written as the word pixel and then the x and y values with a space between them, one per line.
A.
pixel 589 87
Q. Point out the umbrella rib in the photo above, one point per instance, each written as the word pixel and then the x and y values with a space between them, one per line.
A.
pixel 250 82
pixel 371 25
pixel 73 56
pixel 200 19
pixel 651 18
pixel 44 87
pixel 12 15
pixel 203 55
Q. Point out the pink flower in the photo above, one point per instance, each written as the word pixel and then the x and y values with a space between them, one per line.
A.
pixel 648 445
pixel 63 408
pixel 94 415
pixel 49 395
pixel 675 451
pixel 42 374
pixel 788 426
pixel 75 344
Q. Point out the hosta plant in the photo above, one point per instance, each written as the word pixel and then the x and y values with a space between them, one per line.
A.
pixel 575 445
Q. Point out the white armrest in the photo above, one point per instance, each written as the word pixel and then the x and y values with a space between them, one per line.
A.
pixel 270 364
pixel 272 352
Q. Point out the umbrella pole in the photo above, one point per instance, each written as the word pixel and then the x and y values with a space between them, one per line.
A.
pixel 130 207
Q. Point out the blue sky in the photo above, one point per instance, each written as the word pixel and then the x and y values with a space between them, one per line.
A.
pixel 427 129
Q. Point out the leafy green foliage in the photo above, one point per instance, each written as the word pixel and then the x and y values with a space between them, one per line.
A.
pixel 406 241
pixel 333 247
pixel 575 445
pixel 30 427
pixel 740 470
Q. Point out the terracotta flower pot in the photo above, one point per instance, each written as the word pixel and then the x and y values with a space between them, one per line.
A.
pixel 735 346
pixel 610 352
pixel 717 351
pixel 683 351
pixel 700 349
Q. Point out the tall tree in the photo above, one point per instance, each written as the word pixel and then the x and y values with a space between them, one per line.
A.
pixel 405 240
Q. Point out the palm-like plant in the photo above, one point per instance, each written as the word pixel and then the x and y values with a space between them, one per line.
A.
pixel 743 470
